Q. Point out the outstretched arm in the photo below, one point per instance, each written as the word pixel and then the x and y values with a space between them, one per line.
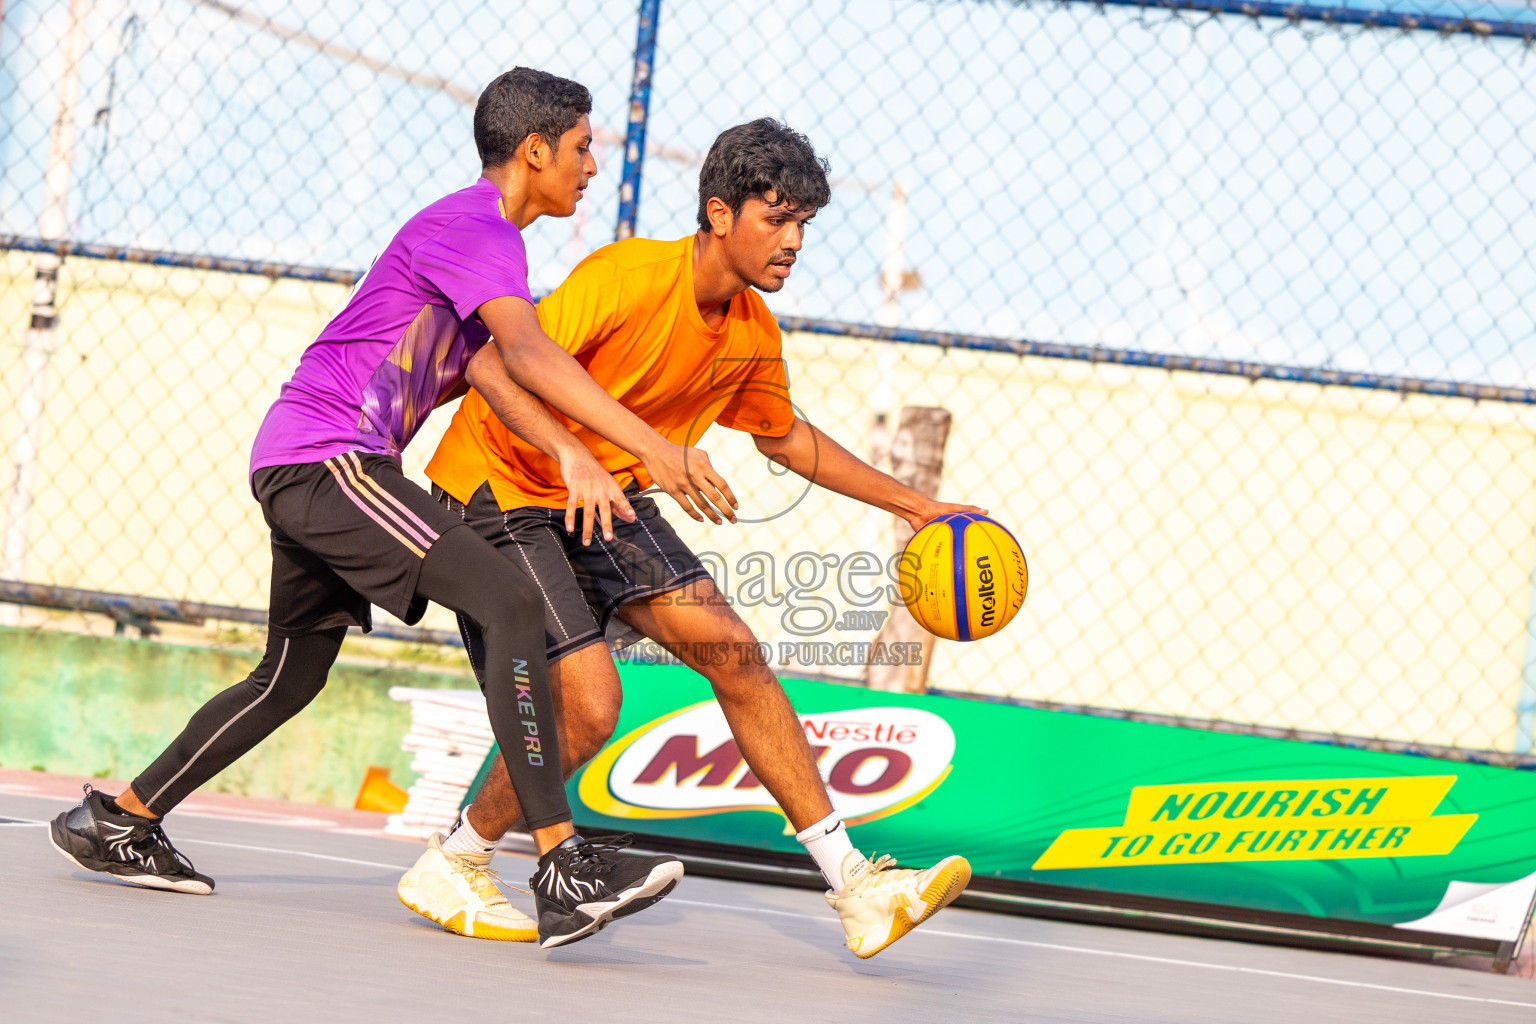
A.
pixel 539 365
pixel 821 460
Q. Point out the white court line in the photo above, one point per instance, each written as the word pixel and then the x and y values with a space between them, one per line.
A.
pixel 1320 979
pixel 298 853
pixel 214 811
pixel 241 846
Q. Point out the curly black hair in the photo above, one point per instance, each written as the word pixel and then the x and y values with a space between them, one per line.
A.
pixel 523 102
pixel 760 157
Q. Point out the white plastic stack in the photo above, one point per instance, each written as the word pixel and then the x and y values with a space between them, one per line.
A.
pixel 450 736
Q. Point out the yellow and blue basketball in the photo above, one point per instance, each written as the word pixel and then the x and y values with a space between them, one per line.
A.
pixel 963 576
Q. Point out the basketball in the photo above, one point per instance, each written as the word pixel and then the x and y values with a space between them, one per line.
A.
pixel 963 576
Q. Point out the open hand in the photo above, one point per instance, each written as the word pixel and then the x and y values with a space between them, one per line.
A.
pixel 589 485
pixel 686 474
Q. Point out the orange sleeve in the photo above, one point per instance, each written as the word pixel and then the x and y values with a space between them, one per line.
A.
pixel 587 307
pixel 761 403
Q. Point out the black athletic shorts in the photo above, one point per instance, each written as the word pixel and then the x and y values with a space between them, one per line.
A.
pixel 583 586
pixel 347 533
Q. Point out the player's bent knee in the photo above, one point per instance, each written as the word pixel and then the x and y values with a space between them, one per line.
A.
pixel 603 726
pixel 583 749
pixel 303 675
pixel 290 700
pixel 294 670
pixel 739 636
pixel 589 734
pixel 520 601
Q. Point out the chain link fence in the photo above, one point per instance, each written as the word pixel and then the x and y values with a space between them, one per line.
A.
pixel 1231 309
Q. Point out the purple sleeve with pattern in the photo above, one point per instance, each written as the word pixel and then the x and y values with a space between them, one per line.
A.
pixel 471 261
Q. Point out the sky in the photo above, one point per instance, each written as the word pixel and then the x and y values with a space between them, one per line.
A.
pixel 1352 198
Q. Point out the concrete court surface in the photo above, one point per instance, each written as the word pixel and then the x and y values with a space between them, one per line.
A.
pixel 305 926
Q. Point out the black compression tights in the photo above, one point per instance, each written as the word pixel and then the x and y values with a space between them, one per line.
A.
pixel 463 572
pixel 286 679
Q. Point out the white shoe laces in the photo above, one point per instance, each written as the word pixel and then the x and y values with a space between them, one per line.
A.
pixel 882 878
pixel 483 881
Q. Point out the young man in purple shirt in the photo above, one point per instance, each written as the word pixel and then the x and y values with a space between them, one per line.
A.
pixel 349 530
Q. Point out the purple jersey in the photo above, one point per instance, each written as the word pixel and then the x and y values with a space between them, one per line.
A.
pixel 404 338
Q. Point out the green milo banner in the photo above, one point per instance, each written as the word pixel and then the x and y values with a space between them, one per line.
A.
pixel 1096 804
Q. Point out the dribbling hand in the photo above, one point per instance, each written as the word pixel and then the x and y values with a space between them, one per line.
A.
pixel 934 509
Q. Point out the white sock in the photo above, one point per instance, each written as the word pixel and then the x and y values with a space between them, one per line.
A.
pixel 828 844
pixel 464 838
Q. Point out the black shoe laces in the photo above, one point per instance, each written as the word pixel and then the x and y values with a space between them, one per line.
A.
pixel 154 843
pixel 590 850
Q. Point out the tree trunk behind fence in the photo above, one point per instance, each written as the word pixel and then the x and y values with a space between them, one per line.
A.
pixel 917 460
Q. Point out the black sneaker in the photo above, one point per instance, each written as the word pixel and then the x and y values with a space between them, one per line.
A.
pixel 135 849
pixel 580 886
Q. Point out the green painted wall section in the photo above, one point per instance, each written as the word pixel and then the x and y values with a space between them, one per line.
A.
pixel 107 706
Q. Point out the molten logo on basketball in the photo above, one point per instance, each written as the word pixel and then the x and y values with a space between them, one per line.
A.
pixel 875 762
pixel 987 592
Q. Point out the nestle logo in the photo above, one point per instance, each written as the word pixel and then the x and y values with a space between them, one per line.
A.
pixel 874 761
pixel 837 731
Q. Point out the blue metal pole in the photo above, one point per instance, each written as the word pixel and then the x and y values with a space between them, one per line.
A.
pixel 639 111
pixel 159 258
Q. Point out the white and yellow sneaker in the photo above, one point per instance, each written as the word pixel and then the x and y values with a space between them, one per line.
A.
pixel 458 891
pixel 884 902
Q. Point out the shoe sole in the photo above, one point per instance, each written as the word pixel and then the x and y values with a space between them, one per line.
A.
pixel 946 886
pixel 656 887
pixel 189 886
pixel 479 930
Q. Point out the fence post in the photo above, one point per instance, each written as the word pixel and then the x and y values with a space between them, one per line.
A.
pixel 917 460
pixel 639 111
pixel 1525 702
pixel 41 339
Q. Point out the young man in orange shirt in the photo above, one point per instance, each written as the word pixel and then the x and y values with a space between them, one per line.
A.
pixel 674 331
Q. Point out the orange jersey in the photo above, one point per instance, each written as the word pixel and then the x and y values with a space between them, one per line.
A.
pixel 628 315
